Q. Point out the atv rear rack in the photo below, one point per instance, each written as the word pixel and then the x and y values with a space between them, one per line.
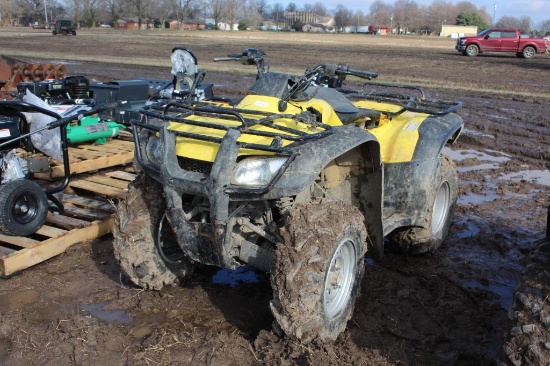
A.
pixel 436 107
pixel 180 112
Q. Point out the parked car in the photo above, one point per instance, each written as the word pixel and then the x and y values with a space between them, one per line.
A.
pixel 501 40
pixel 63 27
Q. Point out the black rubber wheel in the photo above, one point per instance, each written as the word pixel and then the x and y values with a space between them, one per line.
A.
pixel 318 270
pixel 429 237
pixel 528 52
pixel 472 50
pixel 23 207
pixel 74 33
pixel 144 243
pixel 54 33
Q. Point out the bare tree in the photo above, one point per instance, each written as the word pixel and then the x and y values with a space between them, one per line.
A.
pixel 342 17
pixel 468 7
pixel 216 10
pixel 277 13
pixel 380 13
pixel 89 11
pixel 161 11
pixel 114 10
pixel 544 26
pixel 440 13
pixel 405 15
pixel 232 10
pixel 140 8
pixel 263 8
pixel 252 13
pixel 10 12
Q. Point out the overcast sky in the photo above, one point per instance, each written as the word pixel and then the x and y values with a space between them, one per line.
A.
pixel 538 10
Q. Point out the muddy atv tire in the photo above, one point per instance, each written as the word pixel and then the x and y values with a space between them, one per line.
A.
pixel 144 244
pixel 429 237
pixel 23 207
pixel 318 270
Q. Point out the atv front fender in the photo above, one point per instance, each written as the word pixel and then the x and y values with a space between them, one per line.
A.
pixel 313 156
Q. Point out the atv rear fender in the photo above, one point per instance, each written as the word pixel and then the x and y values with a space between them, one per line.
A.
pixel 435 132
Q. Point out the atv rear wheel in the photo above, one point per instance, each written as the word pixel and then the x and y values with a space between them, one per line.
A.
pixel 144 243
pixel 429 237
pixel 23 207
pixel 318 270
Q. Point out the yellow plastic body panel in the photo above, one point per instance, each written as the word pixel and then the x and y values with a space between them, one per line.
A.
pixel 206 151
pixel 399 136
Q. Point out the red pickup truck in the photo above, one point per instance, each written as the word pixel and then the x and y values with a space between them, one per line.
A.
pixel 501 40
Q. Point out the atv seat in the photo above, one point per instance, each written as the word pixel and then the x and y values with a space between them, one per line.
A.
pixel 344 109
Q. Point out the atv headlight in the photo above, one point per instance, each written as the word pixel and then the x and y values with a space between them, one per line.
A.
pixel 256 171
pixel 152 149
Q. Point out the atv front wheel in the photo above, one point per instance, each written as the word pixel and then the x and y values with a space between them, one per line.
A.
pixel 318 270
pixel 23 207
pixel 144 243
pixel 429 237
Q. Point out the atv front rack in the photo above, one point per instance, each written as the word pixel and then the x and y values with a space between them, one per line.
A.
pixel 180 112
pixel 421 104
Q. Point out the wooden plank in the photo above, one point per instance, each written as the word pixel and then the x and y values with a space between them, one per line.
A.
pixel 47 249
pixel 118 142
pixel 50 232
pixel 89 165
pixel 85 214
pixel 97 204
pixel 6 251
pixel 65 222
pixel 101 179
pixel 118 174
pixel 86 154
pixel 106 149
pixel 97 188
pixel 20 241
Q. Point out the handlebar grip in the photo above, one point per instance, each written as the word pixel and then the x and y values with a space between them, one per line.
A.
pixel 363 73
pixel 354 72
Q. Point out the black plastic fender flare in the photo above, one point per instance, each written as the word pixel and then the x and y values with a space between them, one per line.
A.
pixel 313 156
pixel 434 133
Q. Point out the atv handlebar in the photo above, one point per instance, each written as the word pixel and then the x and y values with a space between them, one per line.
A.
pixel 344 69
pixel 249 56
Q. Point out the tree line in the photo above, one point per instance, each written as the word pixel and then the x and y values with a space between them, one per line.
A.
pixel 404 16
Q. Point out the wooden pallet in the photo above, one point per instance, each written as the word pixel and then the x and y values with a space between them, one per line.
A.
pixel 90 157
pixel 88 215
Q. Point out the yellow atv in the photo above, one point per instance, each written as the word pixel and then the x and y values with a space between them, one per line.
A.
pixel 300 179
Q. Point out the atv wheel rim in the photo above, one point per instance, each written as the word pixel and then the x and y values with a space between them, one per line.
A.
pixel 166 242
pixel 339 279
pixel 440 207
pixel 24 209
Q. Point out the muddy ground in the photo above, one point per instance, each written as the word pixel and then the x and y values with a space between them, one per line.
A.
pixel 451 308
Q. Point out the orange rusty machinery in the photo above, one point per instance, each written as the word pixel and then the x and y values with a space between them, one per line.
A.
pixel 14 71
